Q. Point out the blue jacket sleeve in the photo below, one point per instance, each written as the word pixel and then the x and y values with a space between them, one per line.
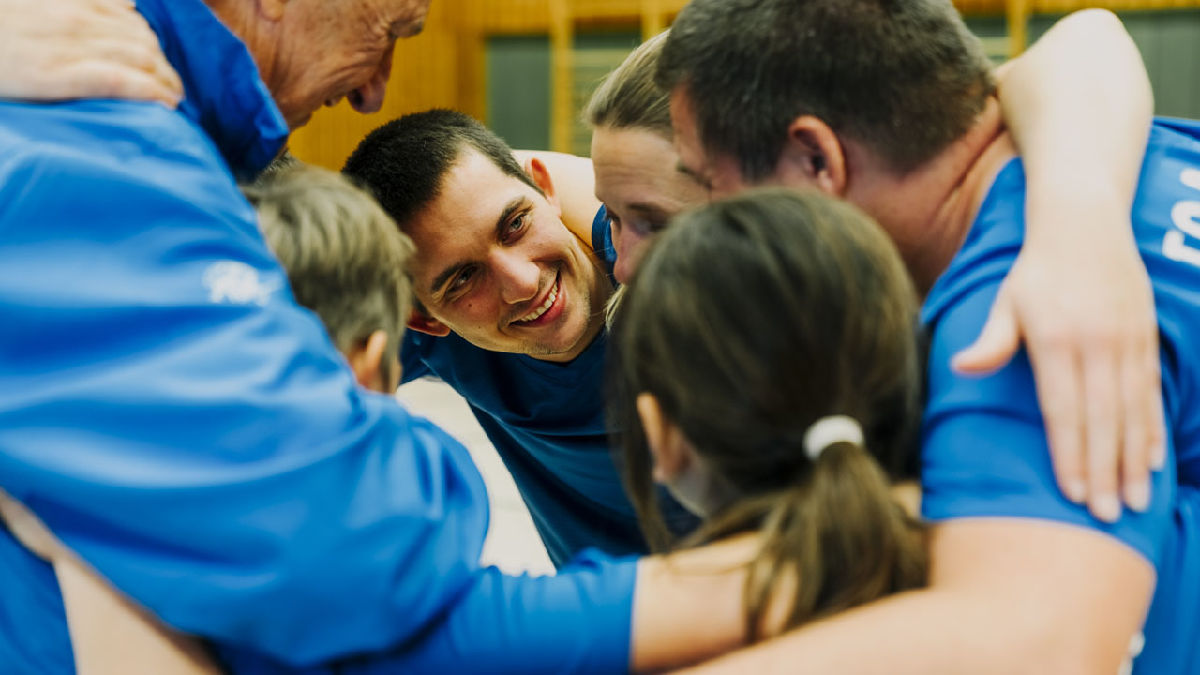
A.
pixel 173 415
pixel 578 621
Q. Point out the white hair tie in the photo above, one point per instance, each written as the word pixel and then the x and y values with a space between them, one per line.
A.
pixel 829 430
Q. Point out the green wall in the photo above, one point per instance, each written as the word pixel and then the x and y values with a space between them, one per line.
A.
pixel 518 70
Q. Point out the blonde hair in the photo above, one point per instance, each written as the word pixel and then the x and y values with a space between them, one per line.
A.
pixel 629 98
pixel 346 259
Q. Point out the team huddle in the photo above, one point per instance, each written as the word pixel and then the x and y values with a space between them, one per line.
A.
pixel 807 364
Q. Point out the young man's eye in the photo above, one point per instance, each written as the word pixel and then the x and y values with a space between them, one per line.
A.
pixel 460 280
pixel 518 223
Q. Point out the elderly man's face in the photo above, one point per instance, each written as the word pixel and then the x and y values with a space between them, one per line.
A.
pixel 335 49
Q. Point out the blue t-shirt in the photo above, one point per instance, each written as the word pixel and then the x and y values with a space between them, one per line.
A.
pixel 179 421
pixel 547 421
pixel 984 448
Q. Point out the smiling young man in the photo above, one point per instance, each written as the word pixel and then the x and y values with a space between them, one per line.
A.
pixel 511 314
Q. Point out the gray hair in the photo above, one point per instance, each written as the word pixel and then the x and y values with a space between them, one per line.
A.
pixel 629 96
pixel 346 259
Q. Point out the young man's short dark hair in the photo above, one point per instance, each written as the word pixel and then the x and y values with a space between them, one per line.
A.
pixel 403 162
pixel 904 77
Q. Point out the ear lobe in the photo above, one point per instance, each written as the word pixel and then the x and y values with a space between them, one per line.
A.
pixel 272 10
pixel 366 360
pixel 541 177
pixel 813 156
pixel 671 457
pixel 423 323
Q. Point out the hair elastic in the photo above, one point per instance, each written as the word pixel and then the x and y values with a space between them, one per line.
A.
pixel 829 430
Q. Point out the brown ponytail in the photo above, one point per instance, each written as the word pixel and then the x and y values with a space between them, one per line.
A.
pixel 838 533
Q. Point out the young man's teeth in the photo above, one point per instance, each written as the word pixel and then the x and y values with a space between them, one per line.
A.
pixel 535 314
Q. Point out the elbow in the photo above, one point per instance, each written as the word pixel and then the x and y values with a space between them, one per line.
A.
pixel 1063 646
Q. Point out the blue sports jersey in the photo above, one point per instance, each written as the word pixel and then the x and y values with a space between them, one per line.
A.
pixel 984 447
pixel 175 418
pixel 547 421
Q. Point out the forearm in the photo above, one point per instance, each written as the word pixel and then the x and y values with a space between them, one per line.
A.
pixel 1006 596
pixel 920 633
pixel 1079 106
pixel 689 605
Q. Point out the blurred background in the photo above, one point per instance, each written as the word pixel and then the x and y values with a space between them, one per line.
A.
pixel 526 67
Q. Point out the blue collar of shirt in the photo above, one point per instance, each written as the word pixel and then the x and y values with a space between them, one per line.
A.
pixel 224 93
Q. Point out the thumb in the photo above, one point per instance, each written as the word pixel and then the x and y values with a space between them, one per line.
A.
pixel 996 344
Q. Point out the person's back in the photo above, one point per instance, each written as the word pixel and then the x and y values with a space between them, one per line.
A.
pixel 150 342
pixel 1012 473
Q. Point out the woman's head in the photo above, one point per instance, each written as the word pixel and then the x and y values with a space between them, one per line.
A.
pixel 747 322
pixel 633 156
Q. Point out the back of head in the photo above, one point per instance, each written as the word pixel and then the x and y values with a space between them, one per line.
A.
pixel 404 161
pixel 749 321
pixel 344 256
pixel 629 97
pixel 904 77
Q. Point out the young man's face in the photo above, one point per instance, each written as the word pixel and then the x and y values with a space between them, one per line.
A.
pixel 496 265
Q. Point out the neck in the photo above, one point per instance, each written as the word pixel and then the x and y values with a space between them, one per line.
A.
pixel 928 211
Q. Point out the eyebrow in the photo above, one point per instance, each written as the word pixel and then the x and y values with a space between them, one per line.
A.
pixel 515 204
pixel 700 180
pixel 647 209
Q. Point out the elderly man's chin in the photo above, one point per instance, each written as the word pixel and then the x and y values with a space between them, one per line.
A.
pixel 297 116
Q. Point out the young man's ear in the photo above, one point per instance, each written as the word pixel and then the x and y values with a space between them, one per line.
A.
pixel 541 177
pixel 424 323
pixel 366 360
pixel 812 156
pixel 671 454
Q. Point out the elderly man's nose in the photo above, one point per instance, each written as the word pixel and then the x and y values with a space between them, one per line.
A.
pixel 369 97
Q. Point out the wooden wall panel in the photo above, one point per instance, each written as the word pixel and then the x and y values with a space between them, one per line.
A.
pixel 446 65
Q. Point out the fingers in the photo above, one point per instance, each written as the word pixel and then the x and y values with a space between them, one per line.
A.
pixel 1060 391
pixel 86 48
pixel 102 79
pixel 131 69
pixel 1149 371
pixel 1104 432
pixel 1135 457
pixel 125 42
pixel 997 342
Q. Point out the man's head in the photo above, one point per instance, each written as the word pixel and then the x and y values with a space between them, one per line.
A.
pixel 316 52
pixel 494 262
pixel 760 87
pixel 346 261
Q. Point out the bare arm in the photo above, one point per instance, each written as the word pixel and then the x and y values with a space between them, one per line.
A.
pixel 82 49
pixel 1079 106
pixel 1006 596
pixel 688 606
